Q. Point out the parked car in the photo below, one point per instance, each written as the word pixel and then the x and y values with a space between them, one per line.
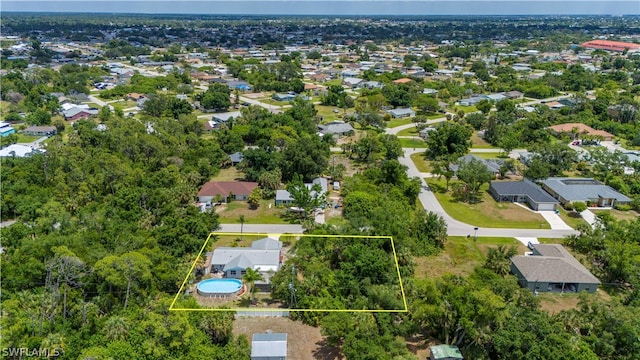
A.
pixel 336 185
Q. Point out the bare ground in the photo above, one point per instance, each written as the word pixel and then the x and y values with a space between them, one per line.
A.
pixel 304 342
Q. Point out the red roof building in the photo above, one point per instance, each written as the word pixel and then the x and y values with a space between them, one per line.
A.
pixel 240 190
pixel 610 45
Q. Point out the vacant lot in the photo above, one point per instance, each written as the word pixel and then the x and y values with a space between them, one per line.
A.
pixel 619 215
pixel 479 143
pixel 461 255
pixel 228 174
pixel 412 131
pixel 397 122
pixel 412 143
pixel 487 212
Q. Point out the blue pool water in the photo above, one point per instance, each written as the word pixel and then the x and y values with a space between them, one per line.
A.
pixel 219 286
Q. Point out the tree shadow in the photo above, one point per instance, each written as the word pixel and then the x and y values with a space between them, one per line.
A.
pixel 325 351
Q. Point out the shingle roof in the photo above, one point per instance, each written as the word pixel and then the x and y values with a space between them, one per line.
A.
pixel 399 112
pixel 582 189
pixel 267 244
pixel 245 256
pixel 336 127
pixel 525 187
pixel 553 264
pixel 491 165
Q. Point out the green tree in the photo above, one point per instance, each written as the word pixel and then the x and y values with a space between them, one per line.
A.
pixel 484 106
pixel 474 173
pixel 305 198
pixel 127 270
pixel 499 259
pixel 250 277
pixel 254 198
pixel 448 141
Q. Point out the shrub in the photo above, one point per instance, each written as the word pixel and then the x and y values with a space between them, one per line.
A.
pixel 623 207
pixel 579 206
pixel 568 206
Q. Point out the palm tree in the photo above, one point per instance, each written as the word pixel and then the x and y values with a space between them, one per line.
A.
pixel 250 277
pixel 116 328
pixel 241 225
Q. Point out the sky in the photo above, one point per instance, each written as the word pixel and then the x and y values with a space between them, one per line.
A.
pixel 333 7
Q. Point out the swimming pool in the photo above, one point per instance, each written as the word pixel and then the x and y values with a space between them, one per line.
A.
pixel 219 287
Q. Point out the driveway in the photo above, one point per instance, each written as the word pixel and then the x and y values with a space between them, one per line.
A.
pixel 554 220
pixel 458 228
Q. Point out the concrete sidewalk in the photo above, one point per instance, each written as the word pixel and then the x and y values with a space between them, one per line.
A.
pixel 589 217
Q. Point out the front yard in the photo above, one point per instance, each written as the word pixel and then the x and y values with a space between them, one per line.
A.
pixel 422 164
pixel 230 213
pixel 412 143
pixel 487 212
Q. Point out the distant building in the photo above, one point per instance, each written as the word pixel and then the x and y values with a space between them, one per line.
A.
pixel 238 190
pixel 610 45
pixel 6 129
pixel 401 113
pixel 269 346
pixel 445 352
pixel 336 128
pixel 40 130
pixel 283 97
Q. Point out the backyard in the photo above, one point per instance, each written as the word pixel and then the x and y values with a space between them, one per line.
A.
pixel 487 212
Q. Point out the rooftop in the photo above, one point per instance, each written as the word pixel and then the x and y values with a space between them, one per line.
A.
pixel 582 189
pixel 525 187
pixel 553 263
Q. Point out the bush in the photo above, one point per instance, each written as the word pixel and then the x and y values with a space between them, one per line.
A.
pixel 623 207
pixel 579 206
pixel 568 206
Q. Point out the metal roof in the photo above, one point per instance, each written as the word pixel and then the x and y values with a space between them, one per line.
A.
pixel 582 189
pixel 269 345
pixel 445 352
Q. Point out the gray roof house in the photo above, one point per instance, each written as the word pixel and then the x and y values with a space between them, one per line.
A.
pixel 263 255
pixel 225 116
pixel 335 128
pixel 492 165
pixel 283 197
pixel 351 81
pixel 588 190
pixel 269 346
pixel 424 133
pixel 525 191
pixel 236 158
pixel 401 113
pixel 552 268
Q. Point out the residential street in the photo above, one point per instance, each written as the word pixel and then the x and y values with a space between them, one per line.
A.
pixel 262 228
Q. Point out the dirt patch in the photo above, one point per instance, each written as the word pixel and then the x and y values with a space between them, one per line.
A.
pixel 553 303
pixel 303 341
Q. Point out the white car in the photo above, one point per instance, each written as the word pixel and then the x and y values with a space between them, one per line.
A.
pixel 336 185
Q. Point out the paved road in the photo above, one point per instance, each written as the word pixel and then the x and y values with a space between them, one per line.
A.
pixel 458 228
pixel 262 228
pixel 397 129
pixel 7 223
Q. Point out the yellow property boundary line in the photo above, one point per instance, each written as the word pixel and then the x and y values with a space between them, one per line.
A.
pixel 206 242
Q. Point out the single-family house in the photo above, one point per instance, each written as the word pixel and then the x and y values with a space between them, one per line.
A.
pixel 470 101
pixel 269 346
pixel 236 158
pixel 424 133
pixel 19 150
pixel 590 191
pixel 514 94
pixel 579 128
pixel 283 197
pixel 76 113
pixel 429 91
pixel 551 268
pixel 445 352
pixel 6 129
pixel 350 73
pixel 238 190
pixel 401 113
pixel 40 130
pixel 314 89
pixel 234 261
pixel 371 85
pixel 525 191
pixel 351 82
pixel 135 96
pixel 338 128
pixel 283 97
pixel 226 116
pixel 493 165
pixel 494 97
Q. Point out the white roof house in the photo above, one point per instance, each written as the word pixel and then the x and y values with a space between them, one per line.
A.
pixel 19 150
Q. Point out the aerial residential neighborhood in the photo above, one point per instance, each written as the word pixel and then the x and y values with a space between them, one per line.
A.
pixel 319 187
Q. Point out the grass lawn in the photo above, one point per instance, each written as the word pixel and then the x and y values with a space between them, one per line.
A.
pixel 332 82
pixel 556 302
pixel 412 131
pixel 397 122
pixel 228 174
pixel 262 215
pixel 412 143
pixel 460 256
pixel 619 215
pixel 27 138
pixel 488 212
pixel 466 109
pixel 479 143
pixel 570 217
pixel 327 112
pixel 94 105
pixel 422 164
